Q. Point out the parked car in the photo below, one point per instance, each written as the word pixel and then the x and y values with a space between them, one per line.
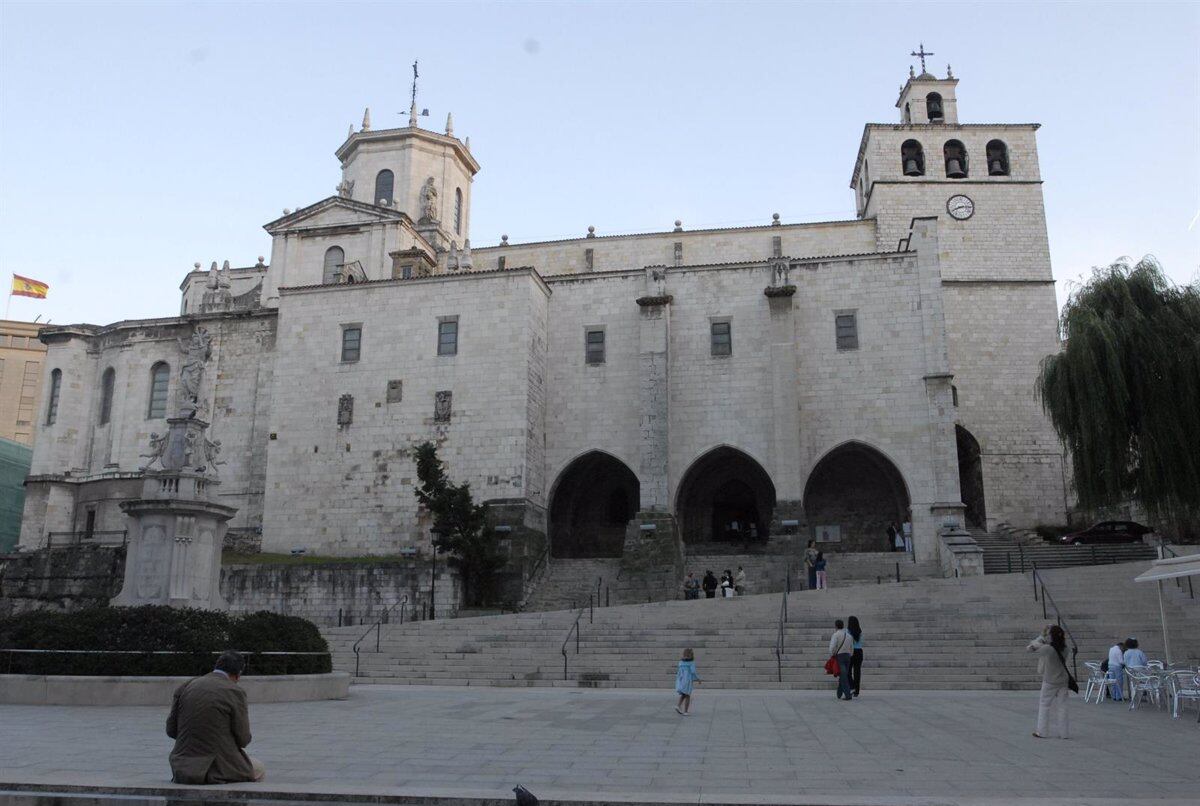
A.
pixel 1108 532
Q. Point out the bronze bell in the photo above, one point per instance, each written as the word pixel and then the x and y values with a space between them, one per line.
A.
pixel 911 168
pixel 954 169
pixel 997 168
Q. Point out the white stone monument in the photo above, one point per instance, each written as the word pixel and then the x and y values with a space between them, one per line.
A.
pixel 177 529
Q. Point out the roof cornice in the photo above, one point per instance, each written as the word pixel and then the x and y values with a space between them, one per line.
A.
pixel 374 135
pixel 380 213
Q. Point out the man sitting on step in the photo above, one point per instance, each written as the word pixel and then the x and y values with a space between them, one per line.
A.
pixel 210 724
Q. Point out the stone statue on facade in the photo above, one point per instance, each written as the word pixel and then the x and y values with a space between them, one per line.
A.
pixel 212 450
pixel 196 352
pixel 345 187
pixel 158 446
pixel 429 201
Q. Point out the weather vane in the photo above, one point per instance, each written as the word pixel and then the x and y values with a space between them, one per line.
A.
pixel 921 52
pixel 412 109
pixel 414 87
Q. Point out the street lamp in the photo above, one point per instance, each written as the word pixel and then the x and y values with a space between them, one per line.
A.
pixel 437 531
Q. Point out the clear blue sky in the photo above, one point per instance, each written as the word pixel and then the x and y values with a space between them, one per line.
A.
pixel 136 139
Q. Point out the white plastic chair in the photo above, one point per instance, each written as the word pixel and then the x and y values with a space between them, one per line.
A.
pixel 1154 664
pixel 1097 682
pixel 1185 685
pixel 1142 683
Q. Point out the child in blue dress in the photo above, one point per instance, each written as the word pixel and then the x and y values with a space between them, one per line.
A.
pixel 684 678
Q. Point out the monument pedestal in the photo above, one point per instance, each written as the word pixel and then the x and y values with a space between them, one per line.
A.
pixel 175 540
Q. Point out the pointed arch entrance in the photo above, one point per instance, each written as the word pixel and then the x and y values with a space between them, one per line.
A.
pixel 859 490
pixel 592 500
pixel 970 476
pixel 725 496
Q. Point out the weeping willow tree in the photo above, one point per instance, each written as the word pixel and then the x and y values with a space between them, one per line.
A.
pixel 1124 393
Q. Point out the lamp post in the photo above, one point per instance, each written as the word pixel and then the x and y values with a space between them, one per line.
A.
pixel 437 530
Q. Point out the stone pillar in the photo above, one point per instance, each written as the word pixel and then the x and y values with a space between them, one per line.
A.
pixel 653 337
pixel 946 509
pixel 784 455
pixel 652 558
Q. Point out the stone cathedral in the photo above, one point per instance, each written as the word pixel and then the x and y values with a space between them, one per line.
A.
pixel 764 383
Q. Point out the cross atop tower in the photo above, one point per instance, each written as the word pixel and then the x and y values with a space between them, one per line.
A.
pixel 922 53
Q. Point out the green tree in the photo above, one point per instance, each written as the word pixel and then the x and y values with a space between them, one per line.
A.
pixel 459 526
pixel 1124 392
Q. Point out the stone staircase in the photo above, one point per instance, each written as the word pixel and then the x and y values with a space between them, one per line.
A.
pixel 566 583
pixel 1003 553
pixel 954 634
pixel 765 572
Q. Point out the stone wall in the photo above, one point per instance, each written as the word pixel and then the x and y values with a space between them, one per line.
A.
pixel 337 593
pixel 63 579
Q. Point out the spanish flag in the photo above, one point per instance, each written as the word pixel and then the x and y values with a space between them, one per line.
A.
pixel 25 287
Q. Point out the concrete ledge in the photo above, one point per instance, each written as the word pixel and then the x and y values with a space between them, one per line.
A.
pixel 32 689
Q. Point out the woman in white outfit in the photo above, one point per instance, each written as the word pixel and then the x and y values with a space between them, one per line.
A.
pixel 1052 703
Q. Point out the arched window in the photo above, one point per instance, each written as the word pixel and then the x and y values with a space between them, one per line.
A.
pixel 106 395
pixel 997 158
pixel 933 107
pixel 160 381
pixel 335 258
pixel 956 159
pixel 52 403
pixel 458 211
pixel 912 158
pixel 384 181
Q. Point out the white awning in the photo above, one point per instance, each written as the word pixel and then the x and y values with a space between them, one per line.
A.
pixel 1170 568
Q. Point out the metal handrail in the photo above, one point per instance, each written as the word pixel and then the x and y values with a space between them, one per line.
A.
pixel 783 617
pixel 1040 582
pixel 378 628
pixel 94 537
pixel 1165 549
pixel 574 629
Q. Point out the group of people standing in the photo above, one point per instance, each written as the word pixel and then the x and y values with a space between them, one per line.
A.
pixel 729 585
pixel 816 564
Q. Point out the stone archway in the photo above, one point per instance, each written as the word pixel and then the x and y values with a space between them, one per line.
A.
pixel 970 476
pixel 859 490
pixel 725 496
pixel 592 501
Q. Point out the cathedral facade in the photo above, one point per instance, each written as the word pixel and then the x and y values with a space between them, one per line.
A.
pixel 752 383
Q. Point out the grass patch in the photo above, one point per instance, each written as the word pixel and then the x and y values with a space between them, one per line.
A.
pixel 263 558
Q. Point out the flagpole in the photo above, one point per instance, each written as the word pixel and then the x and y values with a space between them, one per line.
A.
pixel 8 305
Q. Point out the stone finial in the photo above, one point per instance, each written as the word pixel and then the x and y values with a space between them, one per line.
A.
pixel 225 266
pixel 262 261
pixel 911 72
pixel 213 267
pixel 774 219
pixel 412 115
pixel 949 72
pixel 196 265
pixel 350 133
pixel 366 127
pixel 468 142
pixel 287 211
pixel 591 232
pixel 464 257
pixel 504 240
pixel 450 124
pixel 678 225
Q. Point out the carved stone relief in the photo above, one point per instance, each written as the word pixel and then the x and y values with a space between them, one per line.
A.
pixel 345 412
pixel 441 406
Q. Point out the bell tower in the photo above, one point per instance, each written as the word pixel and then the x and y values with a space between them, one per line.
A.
pixel 982 181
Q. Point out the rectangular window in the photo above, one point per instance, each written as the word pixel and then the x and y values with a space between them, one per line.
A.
pixel 500 262
pixel 448 337
pixel 406 271
pixel 776 246
pixel 55 389
pixel 589 259
pixel 846 325
pixel 351 342
pixel 594 346
pixel 721 338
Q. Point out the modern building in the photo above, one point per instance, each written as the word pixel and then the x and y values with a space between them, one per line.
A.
pixel 22 356
pixel 14 466
pixel 753 383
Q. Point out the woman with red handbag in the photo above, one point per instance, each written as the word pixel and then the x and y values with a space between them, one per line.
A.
pixel 841 649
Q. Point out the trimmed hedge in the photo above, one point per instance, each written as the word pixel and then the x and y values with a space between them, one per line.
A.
pixel 199 634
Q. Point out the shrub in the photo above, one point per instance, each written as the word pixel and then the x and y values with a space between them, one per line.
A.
pixel 197 636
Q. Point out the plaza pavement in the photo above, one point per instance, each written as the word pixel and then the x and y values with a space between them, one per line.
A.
pixel 895 747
